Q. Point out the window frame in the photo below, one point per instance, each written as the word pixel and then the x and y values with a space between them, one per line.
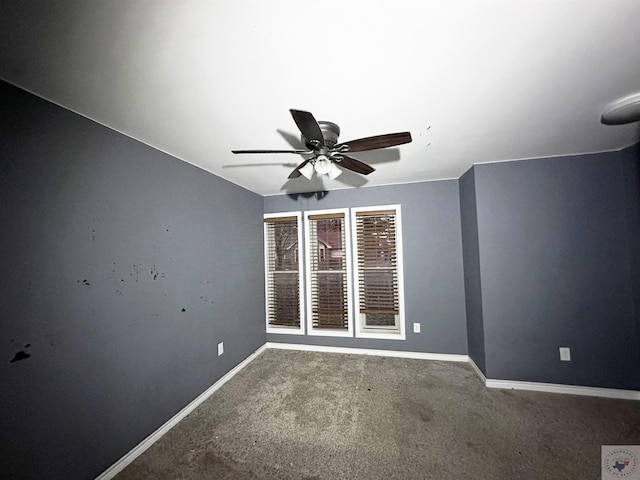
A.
pixel 348 273
pixel 284 329
pixel 360 331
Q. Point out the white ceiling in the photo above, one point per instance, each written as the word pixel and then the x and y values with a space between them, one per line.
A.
pixel 473 81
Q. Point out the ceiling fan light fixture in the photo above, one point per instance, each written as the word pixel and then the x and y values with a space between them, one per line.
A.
pixel 307 171
pixel 322 165
pixel 334 171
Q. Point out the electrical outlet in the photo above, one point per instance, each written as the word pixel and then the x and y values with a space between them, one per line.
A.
pixel 220 348
pixel 416 328
pixel 565 354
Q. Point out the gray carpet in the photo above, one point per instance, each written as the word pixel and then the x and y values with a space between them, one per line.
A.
pixel 304 415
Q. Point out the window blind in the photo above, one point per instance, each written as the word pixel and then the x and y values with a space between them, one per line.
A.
pixel 377 266
pixel 282 272
pixel 328 272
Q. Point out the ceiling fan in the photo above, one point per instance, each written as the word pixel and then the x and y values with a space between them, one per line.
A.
pixel 324 151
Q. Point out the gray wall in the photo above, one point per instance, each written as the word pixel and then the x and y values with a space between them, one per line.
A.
pixel 632 181
pixel 122 269
pixel 471 260
pixel 433 275
pixel 558 239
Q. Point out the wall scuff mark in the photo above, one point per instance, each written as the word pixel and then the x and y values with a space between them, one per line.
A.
pixel 21 355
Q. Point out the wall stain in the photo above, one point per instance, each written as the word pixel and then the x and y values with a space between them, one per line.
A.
pixel 21 355
pixel 155 273
pixel 84 282
pixel 94 220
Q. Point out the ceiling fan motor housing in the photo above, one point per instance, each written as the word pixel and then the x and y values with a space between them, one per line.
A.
pixel 330 133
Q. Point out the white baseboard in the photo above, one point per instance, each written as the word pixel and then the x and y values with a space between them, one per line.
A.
pixel 564 389
pixel 446 357
pixel 556 387
pixel 138 450
pixel 478 371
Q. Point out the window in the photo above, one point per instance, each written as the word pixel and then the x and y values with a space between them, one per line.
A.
pixel 328 273
pixel 368 302
pixel 378 277
pixel 282 240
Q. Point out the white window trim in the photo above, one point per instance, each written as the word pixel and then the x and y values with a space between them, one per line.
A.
pixel 307 273
pixel 401 335
pixel 270 328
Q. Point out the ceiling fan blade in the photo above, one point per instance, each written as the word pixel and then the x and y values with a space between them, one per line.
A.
pixel 296 172
pixel 379 141
pixel 300 152
pixel 308 126
pixel 355 165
